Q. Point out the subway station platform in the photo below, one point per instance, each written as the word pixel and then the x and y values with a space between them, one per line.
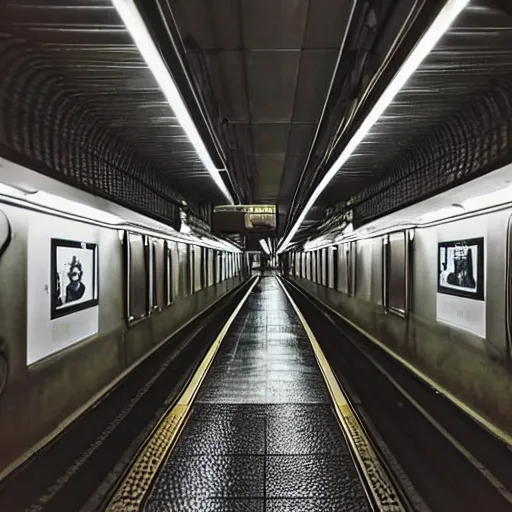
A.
pixel 262 433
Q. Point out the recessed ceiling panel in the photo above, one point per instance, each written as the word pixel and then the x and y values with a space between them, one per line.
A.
pixel 301 136
pixel 317 67
pixel 270 137
pixel 274 23
pixel 209 24
pixel 243 137
pixel 271 80
pixel 227 77
pixel 327 23
pixel 292 168
pixel 270 169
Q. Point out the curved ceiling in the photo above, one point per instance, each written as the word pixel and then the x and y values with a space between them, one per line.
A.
pixel 271 64
pixel 79 54
pixel 470 60
pixel 276 86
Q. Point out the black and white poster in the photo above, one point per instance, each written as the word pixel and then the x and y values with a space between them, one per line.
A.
pixel 461 283
pixel 74 268
pixel 461 268
pixel 63 285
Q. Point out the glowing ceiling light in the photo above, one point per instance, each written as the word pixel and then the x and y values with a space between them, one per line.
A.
pixel 494 198
pixel 60 204
pixel 137 28
pixel 440 25
pixel 10 191
pixel 264 246
pixel 441 214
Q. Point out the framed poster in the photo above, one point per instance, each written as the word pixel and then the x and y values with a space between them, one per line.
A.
pixel 74 271
pixel 63 283
pixel 461 268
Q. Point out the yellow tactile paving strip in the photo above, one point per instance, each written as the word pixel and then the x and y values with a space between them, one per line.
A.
pixel 377 481
pixel 131 492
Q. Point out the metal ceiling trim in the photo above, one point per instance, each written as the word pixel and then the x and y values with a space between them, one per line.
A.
pixel 281 231
pixel 291 208
pixel 350 123
pixel 157 22
pixel 164 29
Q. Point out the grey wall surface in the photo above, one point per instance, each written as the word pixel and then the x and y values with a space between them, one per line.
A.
pixel 40 398
pixel 472 368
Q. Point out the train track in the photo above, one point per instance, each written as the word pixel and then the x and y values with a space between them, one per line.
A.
pixel 439 458
pixel 77 470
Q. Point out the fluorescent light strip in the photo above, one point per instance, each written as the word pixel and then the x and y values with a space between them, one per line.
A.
pixel 73 210
pixel 137 28
pixel 445 18
pixel 264 246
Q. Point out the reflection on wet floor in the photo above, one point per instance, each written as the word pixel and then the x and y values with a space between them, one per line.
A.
pixel 262 434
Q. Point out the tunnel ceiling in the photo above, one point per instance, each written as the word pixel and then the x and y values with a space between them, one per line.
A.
pixel 473 58
pixel 451 122
pixel 269 65
pixel 79 101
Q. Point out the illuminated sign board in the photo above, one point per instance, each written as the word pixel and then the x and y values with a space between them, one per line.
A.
pixel 245 218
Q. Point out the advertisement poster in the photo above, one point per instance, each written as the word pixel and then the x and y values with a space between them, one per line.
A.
pixel 75 286
pixel 62 286
pixel 461 284
pixel 461 268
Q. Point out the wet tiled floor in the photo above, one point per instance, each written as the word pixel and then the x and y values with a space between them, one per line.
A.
pixel 262 435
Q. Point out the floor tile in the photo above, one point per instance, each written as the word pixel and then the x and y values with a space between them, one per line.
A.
pixel 338 504
pixel 311 476
pixel 210 476
pixel 206 505
pixel 223 433
pixel 310 430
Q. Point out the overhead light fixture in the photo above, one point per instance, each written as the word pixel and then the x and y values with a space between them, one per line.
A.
pixel 133 21
pixel 264 246
pixel 487 200
pixel 440 25
pixel 10 191
pixel 441 214
pixel 60 204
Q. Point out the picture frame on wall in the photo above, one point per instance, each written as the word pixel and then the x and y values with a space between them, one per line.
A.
pixel 74 276
pixel 460 268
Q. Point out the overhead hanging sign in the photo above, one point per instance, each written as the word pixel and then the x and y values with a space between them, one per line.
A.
pixel 244 218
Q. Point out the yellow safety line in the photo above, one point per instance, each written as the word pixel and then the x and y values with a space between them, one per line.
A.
pixel 347 418
pixel 97 396
pixel 476 463
pixel 132 490
pixel 493 429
